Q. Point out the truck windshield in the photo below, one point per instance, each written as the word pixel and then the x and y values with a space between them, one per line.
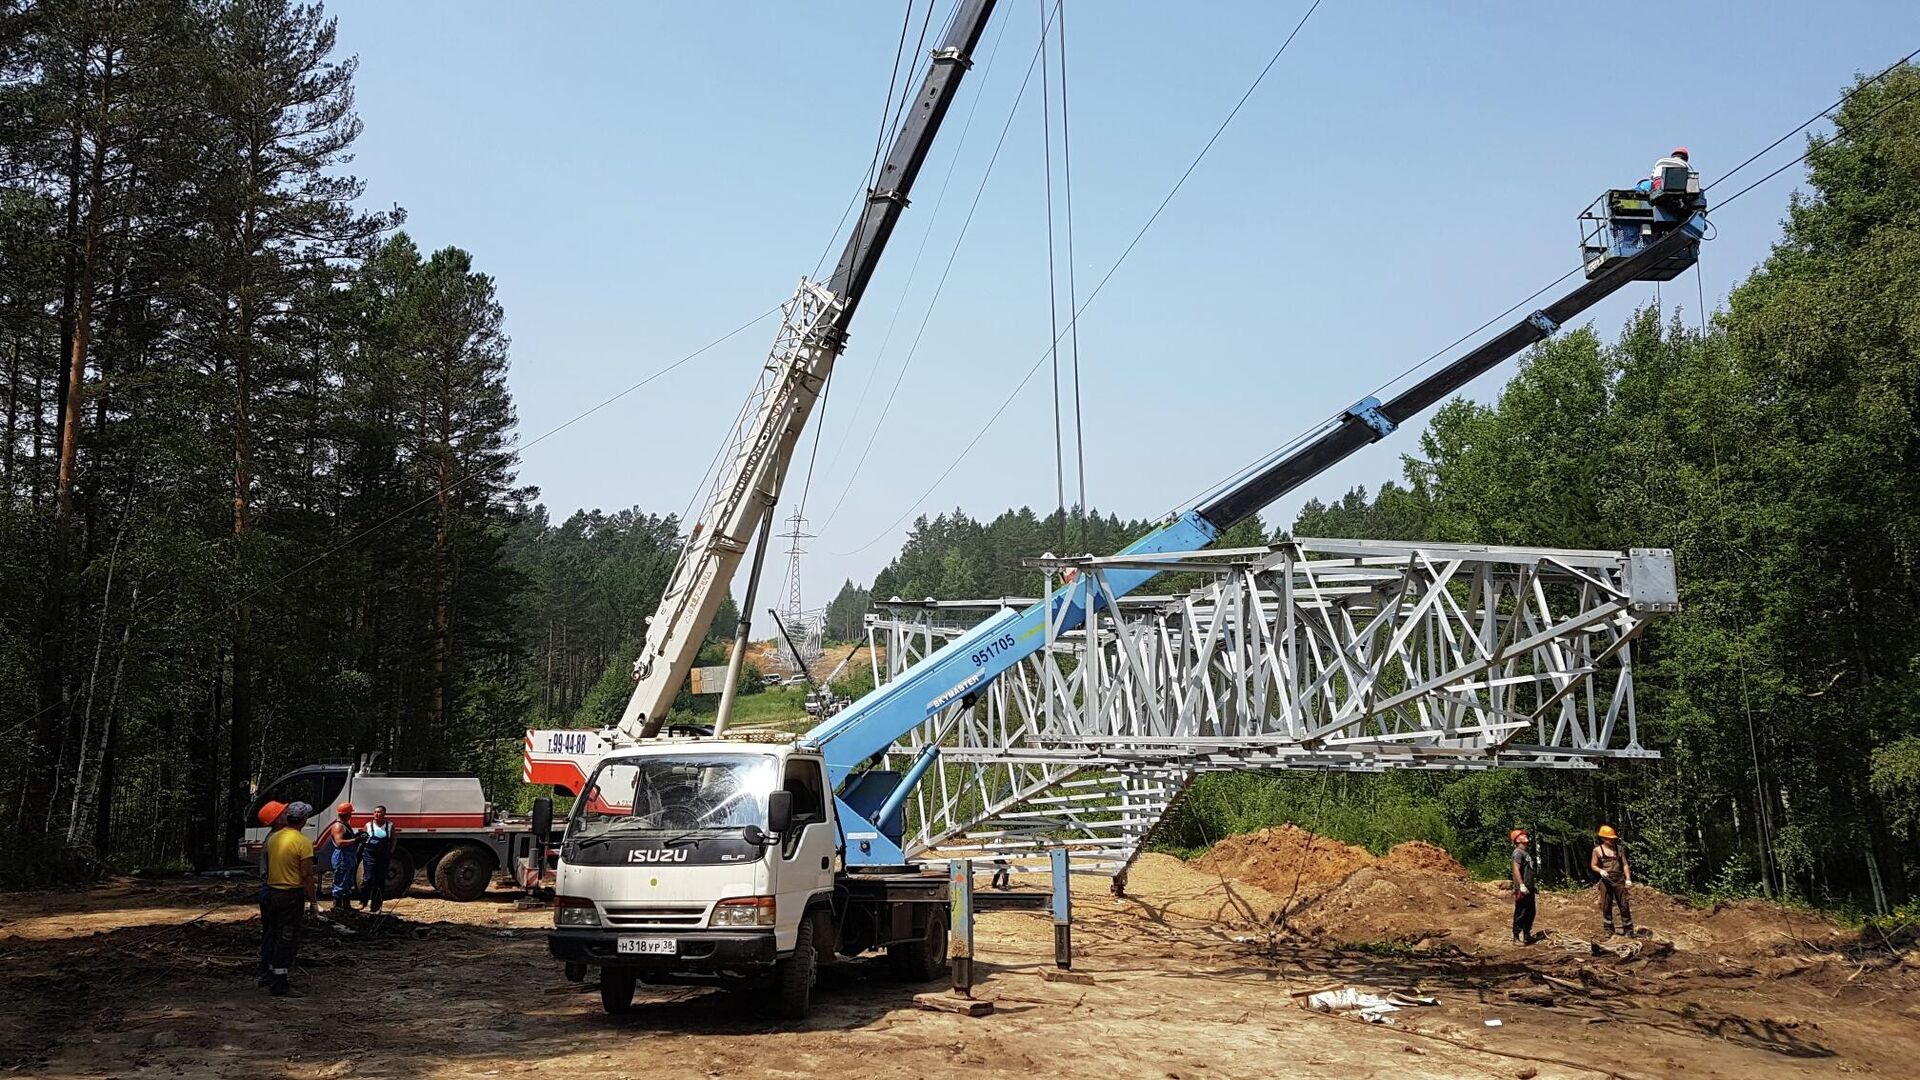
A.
pixel 675 794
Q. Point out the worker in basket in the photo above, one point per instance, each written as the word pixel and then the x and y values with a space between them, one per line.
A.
pixel 1676 158
pixel 1609 864
pixel 1524 867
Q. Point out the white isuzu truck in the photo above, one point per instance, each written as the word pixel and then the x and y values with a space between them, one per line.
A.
pixel 721 861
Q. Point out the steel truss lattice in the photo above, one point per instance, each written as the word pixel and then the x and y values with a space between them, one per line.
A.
pixel 1312 654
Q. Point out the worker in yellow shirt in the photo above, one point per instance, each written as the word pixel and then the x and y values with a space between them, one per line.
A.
pixel 291 884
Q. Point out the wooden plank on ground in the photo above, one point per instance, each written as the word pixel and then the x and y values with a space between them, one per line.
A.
pixel 949 1003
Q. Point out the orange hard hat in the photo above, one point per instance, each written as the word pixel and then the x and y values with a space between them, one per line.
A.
pixel 270 812
pixel 1607 833
pixel 344 808
pixel 1681 153
pixel 1517 835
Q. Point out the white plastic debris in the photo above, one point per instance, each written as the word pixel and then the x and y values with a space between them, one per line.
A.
pixel 1373 1008
pixel 1495 1023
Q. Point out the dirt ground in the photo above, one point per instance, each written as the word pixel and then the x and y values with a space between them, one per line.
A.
pixel 1193 976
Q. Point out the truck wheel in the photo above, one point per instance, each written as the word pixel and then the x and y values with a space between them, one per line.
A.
pixel 464 873
pixel 399 875
pixel 575 971
pixel 616 989
pixel 924 960
pixel 793 977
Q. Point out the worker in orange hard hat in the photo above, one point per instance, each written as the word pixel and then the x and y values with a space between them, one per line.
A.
pixel 1677 158
pixel 1609 865
pixel 345 842
pixel 292 885
pixel 1524 866
pixel 268 815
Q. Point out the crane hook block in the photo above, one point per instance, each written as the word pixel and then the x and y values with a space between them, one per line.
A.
pixel 1367 411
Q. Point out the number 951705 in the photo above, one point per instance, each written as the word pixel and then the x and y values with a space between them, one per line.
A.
pixel 992 649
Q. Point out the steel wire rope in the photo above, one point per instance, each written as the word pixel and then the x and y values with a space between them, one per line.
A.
pixel 939 286
pixel 1053 275
pixel 887 119
pixel 926 235
pixel 1104 279
pixel 457 483
pixel 893 80
pixel 890 126
pixel 1073 291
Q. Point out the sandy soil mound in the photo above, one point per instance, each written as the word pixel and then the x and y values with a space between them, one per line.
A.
pixel 1417 893
pixel 1285 861
pixel 1388 902
pixel 1421 856
pixel 1164 885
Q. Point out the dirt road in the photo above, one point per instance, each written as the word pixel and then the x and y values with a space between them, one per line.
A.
pixel 157 979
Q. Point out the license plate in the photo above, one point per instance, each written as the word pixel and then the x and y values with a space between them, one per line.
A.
pixel 649 946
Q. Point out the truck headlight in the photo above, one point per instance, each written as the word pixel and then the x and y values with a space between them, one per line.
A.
pixel 574 911
pixel 744 911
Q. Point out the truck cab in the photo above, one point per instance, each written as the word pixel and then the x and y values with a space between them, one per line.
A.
pixel 716 861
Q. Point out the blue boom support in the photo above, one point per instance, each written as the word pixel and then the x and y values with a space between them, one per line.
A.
pixel 871 803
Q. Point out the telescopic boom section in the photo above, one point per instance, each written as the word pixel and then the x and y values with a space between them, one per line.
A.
pixel 811 337
pixel 872 801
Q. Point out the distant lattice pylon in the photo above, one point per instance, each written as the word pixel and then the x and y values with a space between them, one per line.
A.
pixel 794 613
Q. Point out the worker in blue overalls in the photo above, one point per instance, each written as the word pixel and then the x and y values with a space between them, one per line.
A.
pixel 376 848
pixel 346 855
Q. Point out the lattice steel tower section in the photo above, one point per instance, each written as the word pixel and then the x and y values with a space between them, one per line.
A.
pixel 794 613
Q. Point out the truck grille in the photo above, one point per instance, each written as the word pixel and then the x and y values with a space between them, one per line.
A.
pixel 658 916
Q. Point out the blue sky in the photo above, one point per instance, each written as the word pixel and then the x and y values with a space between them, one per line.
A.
pixel 642 177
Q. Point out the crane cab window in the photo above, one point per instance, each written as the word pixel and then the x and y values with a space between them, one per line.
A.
pixel 809 791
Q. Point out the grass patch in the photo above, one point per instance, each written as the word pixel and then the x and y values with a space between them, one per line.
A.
pixel 782 707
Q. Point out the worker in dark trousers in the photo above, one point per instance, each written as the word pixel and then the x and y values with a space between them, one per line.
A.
pixel 376 850
pixel 292 884
pixel 345 842
pixel 1609 864
pixel 1524 866
pixel 270 816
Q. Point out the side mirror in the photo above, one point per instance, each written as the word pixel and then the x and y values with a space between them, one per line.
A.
pixel 780 812
pixel 753 835
pixel 542 819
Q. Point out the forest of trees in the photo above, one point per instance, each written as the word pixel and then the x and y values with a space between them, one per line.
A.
pixel 257 494
pixel 1777 451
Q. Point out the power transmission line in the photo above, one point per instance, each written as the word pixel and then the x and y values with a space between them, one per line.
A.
pixel 1108 276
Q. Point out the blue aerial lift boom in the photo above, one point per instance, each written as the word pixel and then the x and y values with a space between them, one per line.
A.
pixel 1628 235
